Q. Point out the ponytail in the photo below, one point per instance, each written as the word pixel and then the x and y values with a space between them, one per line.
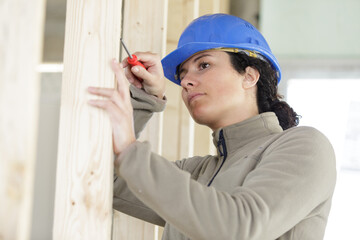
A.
pixel 268 99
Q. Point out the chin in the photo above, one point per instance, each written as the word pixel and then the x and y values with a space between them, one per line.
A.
pixel 201 117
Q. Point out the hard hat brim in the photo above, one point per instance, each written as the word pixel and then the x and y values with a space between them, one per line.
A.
pixel 178 56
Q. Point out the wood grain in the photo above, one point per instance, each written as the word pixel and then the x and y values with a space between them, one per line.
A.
pixel 126 227
pixel 144 30
pixel 202 134
pixel 178 130
pixel 21 34
pixel 83 205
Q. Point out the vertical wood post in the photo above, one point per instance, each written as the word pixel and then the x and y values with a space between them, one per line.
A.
pixel 178 142
pixel 190 138
pixel 144 30
pixel 186 123
pixel 21 37
pixel 203 143
pixel 83 200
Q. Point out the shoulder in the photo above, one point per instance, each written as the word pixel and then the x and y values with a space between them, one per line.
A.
pixel 305 145
pixel 304 134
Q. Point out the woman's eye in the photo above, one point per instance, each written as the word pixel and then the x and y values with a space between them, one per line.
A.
pixel 204 65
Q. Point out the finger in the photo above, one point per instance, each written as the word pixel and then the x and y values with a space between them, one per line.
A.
pixel 110 106
pixel 122 85
pixel 130 76
pixel 137 83
pixel 104 92
pixel 147 58
pixel 105 104
pixel 141 73
pixel 117 69
pixel 125 63
pixel 111 94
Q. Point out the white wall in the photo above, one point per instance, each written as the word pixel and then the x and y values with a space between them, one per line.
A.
pixel 44 185
pixel 312 28
pixel 317 43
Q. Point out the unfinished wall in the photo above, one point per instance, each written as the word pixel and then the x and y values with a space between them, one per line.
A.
pixel 49 96
pixel 21 28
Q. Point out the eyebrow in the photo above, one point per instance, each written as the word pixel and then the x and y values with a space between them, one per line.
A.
pixel 201 55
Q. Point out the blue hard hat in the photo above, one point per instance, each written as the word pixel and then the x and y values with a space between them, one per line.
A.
pixel 216 31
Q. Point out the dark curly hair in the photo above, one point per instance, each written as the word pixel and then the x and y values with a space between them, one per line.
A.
pixel 268 98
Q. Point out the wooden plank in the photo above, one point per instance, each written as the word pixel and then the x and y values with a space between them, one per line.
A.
pixel 224 6
pixel 189 138
pixel 178 126
pixel 181 13
pixel 188 10
pixel 209 6
pixel 177 143
pixel 21 27
pixel 126 227
pixel 83 205
pixel 214 6
pixel 144 30
pixel 203 143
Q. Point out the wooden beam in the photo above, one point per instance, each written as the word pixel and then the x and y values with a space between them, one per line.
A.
pixel 214 6
pixel 125 227
pixel 144 30
pixel 177 143
pixel 21 27
pixel 178 126
pixel 83 205
pixel 203 144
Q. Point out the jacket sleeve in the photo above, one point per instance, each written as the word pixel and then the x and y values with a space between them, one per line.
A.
pixel 299 167
pixel 144 106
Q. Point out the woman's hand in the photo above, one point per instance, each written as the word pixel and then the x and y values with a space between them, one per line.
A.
pixel 118 105
pixel 152 78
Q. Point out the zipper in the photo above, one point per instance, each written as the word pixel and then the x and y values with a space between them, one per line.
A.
pixel 223 153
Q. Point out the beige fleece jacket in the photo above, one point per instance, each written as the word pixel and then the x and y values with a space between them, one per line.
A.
pixel 264 183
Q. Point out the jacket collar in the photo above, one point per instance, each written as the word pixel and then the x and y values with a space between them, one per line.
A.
pixel 239 134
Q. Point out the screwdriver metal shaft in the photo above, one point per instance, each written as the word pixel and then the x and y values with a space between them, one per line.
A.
pixel 127 50
pixel 132 59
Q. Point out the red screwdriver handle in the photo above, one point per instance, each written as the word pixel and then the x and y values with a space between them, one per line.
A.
pixel 134 61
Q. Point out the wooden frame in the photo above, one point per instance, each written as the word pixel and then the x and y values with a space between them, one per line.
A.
pixel 21 25
pixel 83 205
pixel 144 29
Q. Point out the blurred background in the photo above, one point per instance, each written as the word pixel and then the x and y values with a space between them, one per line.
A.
pixel 317 43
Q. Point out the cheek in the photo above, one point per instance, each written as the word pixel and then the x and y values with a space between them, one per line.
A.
pixel 184 98
pixel 183 95
pixel 230 95
pixel 225 91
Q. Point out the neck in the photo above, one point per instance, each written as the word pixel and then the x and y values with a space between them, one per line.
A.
pixel 233 118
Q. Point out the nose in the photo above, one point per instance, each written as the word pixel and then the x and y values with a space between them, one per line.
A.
pixel 188 81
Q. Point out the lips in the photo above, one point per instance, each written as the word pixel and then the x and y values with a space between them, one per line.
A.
pixel 193 96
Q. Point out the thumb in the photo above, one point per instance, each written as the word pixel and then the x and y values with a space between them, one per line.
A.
pixel 141 73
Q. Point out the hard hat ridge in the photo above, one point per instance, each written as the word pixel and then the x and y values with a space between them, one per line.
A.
pixel 216 31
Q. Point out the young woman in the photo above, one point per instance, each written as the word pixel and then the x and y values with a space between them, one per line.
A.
pixel 269 179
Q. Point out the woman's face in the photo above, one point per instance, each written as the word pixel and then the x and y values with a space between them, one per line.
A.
pixel 216 94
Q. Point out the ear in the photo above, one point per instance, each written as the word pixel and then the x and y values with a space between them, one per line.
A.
pixel 251 78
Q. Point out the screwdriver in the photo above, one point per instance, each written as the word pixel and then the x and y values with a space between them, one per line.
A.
pixel 132 59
